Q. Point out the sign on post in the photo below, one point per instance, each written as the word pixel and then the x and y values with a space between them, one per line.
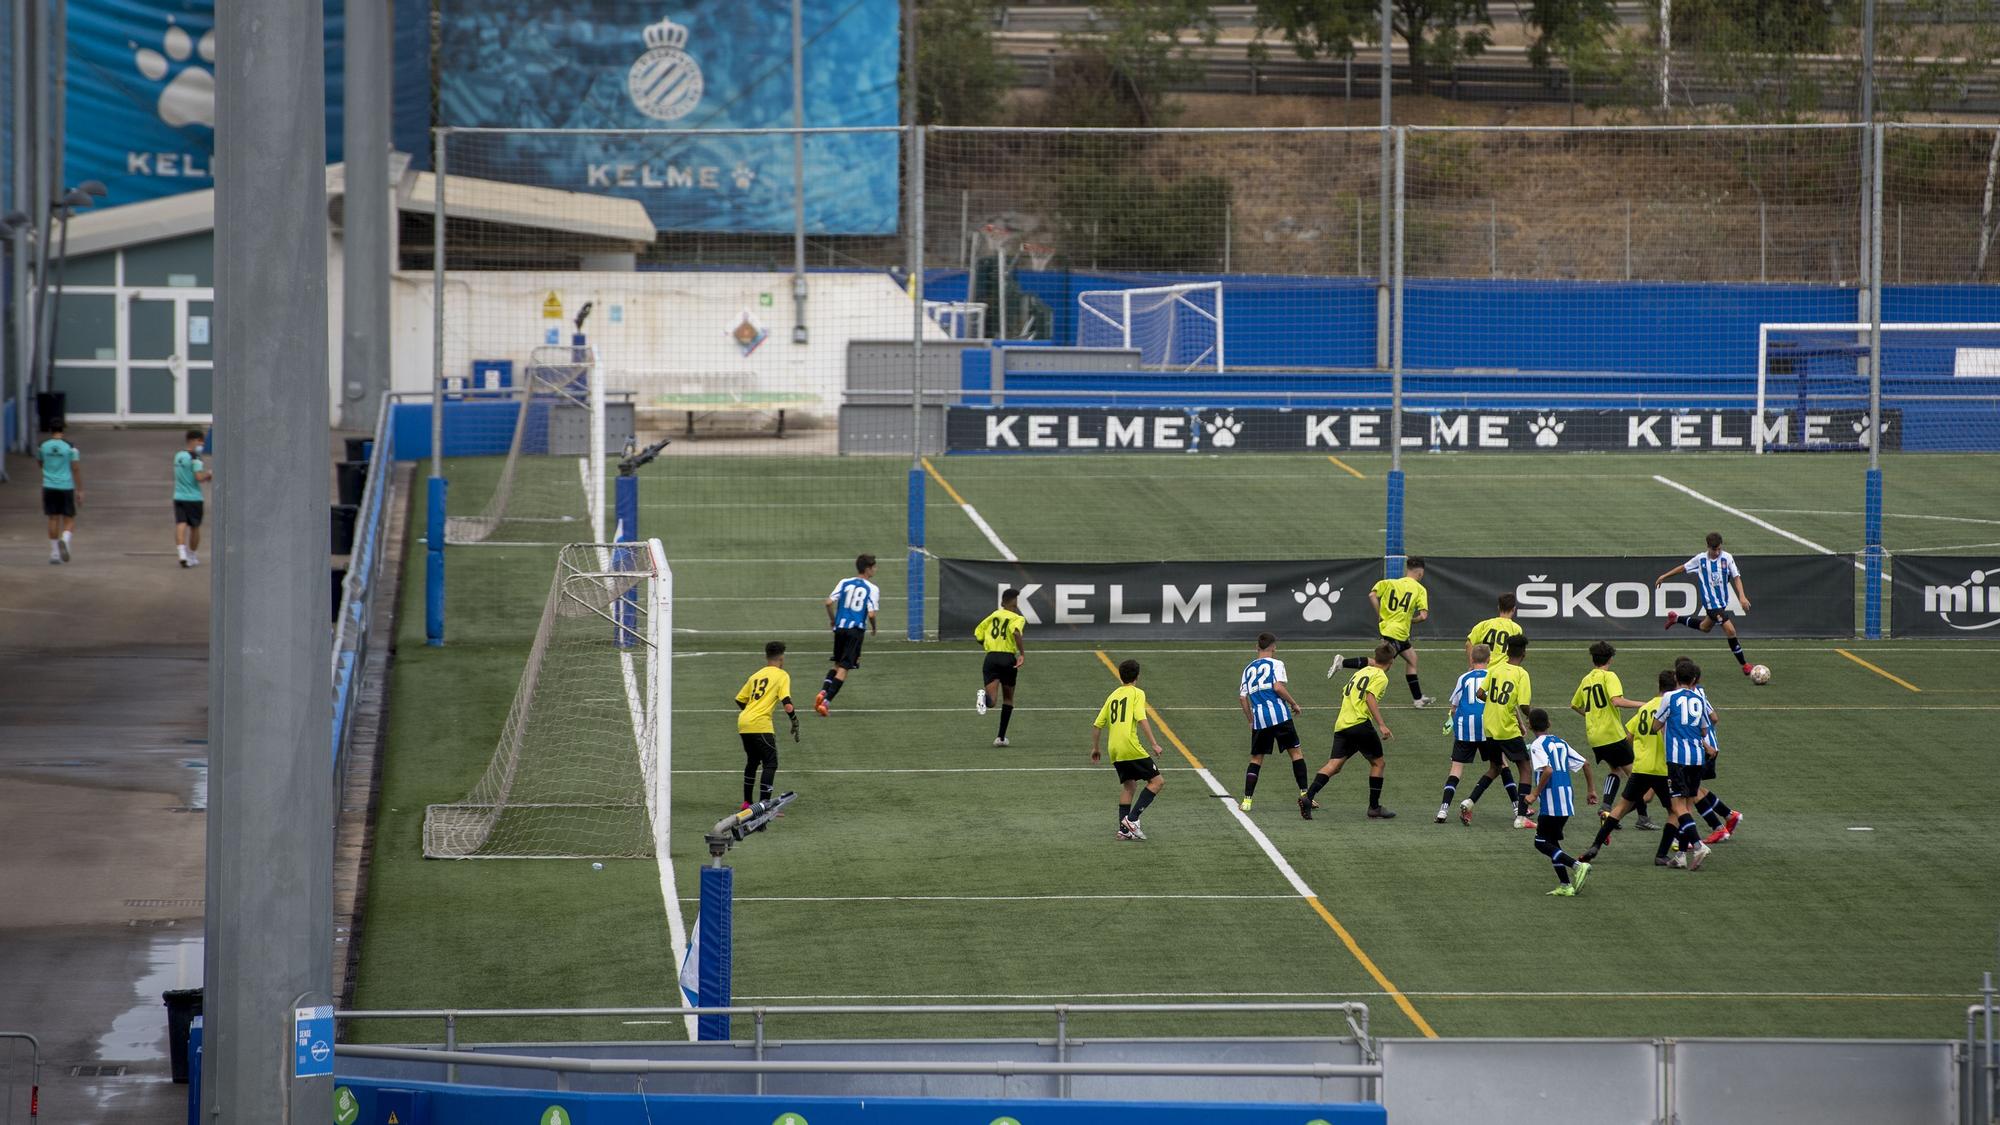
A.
pixel 312 1042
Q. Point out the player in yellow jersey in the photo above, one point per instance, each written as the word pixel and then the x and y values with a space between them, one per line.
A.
pixel 1000 635
pixel 1649 777
pixel 1400 603
pixel 1494 633
pixel 1124 716
pixel 1508 693
pixel 1359 729
pixel 1598 699
pixel 767 688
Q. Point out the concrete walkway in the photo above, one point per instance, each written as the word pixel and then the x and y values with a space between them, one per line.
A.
pixel 103 783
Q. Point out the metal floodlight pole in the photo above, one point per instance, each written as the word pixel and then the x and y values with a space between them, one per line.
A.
pixel 436 488
pixel 72 199
pixel 24 179
pixel 271 775
pixel 1396 323
pixel 798 174
pixel 365 267
pixel 1875 303
pixel 1382 329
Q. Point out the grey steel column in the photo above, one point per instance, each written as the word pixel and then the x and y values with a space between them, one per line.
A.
pixel 1382 211
pixel 44 189
pixel 270 819
pixel 366 269
pixel 22 360
pixel 798 175
pixel 1873 142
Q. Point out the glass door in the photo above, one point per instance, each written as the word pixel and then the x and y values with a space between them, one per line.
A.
pixel 169 356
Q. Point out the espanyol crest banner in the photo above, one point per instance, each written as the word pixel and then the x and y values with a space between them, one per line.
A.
pixel 1613 597
pixel 1213 601
pixel 699 65
pixel 141 112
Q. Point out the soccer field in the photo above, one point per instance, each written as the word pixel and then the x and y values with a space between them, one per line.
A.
pixel 922 864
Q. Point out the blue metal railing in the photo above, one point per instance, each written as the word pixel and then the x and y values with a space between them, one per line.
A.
pixel 350 627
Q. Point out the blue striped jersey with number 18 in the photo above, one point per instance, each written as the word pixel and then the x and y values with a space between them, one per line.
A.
pixel 1468 714
pixel 1261 678
pixel 853 600
pixel 1684 722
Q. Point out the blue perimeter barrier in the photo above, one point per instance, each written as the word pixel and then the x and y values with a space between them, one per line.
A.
pixel 421 1103
pixel 350 632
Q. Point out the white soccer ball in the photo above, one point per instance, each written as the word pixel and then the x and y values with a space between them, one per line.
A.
pixel 597 867
pixel 1760 674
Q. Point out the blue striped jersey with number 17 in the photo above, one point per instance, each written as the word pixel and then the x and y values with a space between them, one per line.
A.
pixel 1468 714
pixel 1684 722
pixel 853 600
pixel 1261 678
pixel 1558 796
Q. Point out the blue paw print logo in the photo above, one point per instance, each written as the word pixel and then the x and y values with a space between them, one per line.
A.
pixel 187 66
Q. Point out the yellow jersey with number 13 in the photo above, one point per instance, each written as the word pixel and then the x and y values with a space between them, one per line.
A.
pixel 760 693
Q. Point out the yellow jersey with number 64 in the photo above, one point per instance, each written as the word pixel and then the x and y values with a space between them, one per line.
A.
pixel 1401 599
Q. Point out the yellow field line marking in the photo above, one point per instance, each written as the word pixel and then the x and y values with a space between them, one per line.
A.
pixel 943 483
pixel 1358 474
pixel 1285 868
pixel 1882 672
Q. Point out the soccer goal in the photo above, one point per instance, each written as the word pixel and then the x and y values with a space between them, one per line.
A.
pixel 1175 327
pixel 550 488
pixel 1812 380
pixel 582 766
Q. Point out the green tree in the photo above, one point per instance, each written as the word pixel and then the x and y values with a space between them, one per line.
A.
pixel 1118 70
pixel 1437 33
pixel 1759 50
pixel 961 79
pixel 1577 33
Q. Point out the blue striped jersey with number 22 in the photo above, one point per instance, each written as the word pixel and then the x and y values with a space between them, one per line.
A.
pixel 1261 678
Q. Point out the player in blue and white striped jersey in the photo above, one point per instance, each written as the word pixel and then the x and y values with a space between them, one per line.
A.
pixel 1554 761
pixel 1708 804
pixel 1687 723
pixel 850 609
pixel 1467 728
pixel 1270 708
pixel 1715 576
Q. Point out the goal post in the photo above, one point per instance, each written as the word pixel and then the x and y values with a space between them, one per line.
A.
pixel 582 769
pixel 1813 386
pixel 550 485
pixel 1174 327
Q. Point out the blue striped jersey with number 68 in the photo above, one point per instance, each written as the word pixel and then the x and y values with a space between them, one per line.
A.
pixel 1468 715
pixel 1261 678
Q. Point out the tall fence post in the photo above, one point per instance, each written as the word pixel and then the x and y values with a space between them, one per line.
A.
pixel 1872 490
pixel 916 496
pixel 434 503
pixel 1393 522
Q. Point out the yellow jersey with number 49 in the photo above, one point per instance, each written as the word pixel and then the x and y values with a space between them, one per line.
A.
pixel 1494 633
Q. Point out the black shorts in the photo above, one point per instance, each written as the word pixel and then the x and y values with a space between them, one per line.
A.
pixel 1683 781
pixel 1716 615
pixel 1708 768
pixel 1500 751
pixel 760 748
pixel 188 512
pixel 1283 736
pixel 1550 827
pixel 1463 752
pixel 59 502
pixel 1361 739
pixel 847 647
pixel 1400 646
pixel 999 666
pixel 1136 769
pixel 1640 785
pixel 1617 754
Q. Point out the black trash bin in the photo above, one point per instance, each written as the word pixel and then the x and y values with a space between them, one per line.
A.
pixel 50 409
pixel 183 1005
pixel 343 528
pixel 339 581
pixel 357 448
pixel 352 479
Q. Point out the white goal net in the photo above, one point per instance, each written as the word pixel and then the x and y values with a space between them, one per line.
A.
pixel 550 487
pixel 582 766
pixel 1940 386
pixel 1174 327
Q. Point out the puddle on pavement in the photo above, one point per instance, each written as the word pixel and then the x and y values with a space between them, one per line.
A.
pixel 140 1034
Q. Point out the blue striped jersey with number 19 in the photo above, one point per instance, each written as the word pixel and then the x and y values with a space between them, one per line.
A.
pixel 1261 678
pixel 1684 721
pixel 1468 714
pixel 853 600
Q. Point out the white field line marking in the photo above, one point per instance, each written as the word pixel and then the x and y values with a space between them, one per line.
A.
pixel 1012 898
pixel 1963 547
pixel 1767 525
pixel 971 513
pixel 959 769
pixel 979 997
pixel 669 893
pixel 1885 515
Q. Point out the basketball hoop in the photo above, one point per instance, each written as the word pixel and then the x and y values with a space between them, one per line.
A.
pixel 997 235
pixel 1038 254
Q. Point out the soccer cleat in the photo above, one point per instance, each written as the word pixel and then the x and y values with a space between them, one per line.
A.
pixel 1729 826
pixel 979 702
pixel 1132 826
pixel 1673 618
pixel 1302 794
pixel 1423 701
pixel 1567 890
pixel 1646 824
pixel 1589 854
pixel 1662 861
pixel 1001 741
pixel 1523 822
pixel 1578 873
pixel 1333 669
pixel 819 705
pixel 1244 804
pixel 1377 812
pixel 1677 861
pixel 1305 808
pixel 1716 837
pixel 1746 669
pixel 1444 811
pixel 1700 853
pixel 62 545
pixel 1124 835
pixel 1465 812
